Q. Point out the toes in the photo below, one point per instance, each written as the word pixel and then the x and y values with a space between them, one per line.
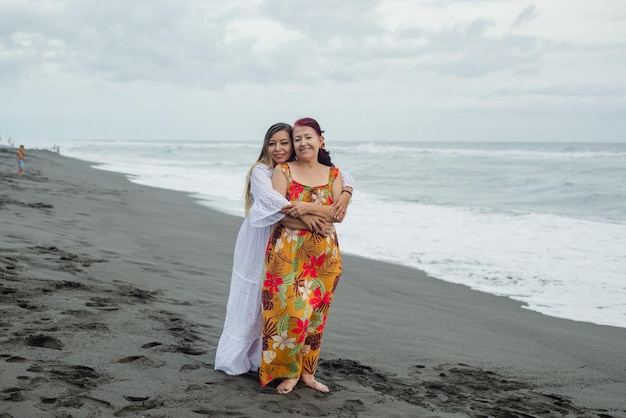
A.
pixel 320 387
pixel 286 386
pixel 314 384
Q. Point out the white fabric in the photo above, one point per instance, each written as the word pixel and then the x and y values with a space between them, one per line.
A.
pixel 348 180
pixel 240 346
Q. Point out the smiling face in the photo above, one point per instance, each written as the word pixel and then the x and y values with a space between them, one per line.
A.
pixel 307 143
pixel 279 147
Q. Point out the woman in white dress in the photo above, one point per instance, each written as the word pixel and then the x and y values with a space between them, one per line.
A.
pixel 239 349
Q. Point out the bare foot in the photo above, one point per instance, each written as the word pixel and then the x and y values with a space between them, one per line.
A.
pixel 309 380
pixel 286 386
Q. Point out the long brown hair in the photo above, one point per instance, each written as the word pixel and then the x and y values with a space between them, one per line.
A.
pixel 264 157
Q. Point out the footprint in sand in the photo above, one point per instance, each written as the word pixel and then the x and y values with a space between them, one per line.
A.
pixel 12 395
pixel 353 406
pixel 15 359
pixel 68 284
pixel 91 326
pixel 6 290
pixel 25 304
pixel 136 398
pixel 103 304
pixel 152 344
pixel 133 410
pixel 141 361
pixel 271 406
pixel 78 312
pixel 136 294
pixel 75 376
pixel 44 341
pixel 184 332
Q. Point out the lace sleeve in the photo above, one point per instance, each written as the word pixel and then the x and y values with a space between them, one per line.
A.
pixel 348 180
pixel 267 201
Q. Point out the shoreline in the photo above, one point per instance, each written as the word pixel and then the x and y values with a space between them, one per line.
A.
pixel 520 252
pixel 113 296
pixel 465 244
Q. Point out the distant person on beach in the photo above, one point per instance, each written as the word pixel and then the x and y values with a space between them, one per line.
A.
pixel 20 155
pixel 239 348
pixel 302 267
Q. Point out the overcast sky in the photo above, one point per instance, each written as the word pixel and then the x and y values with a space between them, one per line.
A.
pixel 368 70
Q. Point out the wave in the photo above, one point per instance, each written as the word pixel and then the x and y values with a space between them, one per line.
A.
pixel 558 151
pixel 420 215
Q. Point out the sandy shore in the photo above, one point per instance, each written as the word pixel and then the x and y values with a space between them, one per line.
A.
pixel 112 298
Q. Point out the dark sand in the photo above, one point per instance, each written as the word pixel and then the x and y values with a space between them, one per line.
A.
pixel 112 298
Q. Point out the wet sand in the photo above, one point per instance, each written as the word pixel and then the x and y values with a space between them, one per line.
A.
pixel 112 299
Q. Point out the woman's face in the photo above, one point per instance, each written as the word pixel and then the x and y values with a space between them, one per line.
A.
pixel 306 142
pixel 279 147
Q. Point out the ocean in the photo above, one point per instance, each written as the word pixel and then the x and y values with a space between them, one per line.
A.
pixel 541 223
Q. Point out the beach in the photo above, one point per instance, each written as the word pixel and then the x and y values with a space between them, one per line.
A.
pixel 113 295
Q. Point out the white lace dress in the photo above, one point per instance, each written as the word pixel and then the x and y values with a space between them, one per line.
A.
pixel 240 346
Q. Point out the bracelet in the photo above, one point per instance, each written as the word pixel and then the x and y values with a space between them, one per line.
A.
pixel 347 191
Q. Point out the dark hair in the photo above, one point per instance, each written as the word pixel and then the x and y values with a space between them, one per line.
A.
pixel 323 155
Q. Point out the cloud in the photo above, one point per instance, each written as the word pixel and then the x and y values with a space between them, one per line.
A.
pixel 216 46
pixel 380 60
pixel 119 41
pixel 529 13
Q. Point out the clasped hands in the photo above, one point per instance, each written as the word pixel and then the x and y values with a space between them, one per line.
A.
pixel 299 209
pixel 313 222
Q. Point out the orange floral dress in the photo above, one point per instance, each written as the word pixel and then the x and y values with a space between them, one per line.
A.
pixel 302 270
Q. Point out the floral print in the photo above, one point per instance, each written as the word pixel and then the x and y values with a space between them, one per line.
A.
pixel 302 270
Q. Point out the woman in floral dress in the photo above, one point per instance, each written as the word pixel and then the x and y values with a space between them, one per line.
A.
pixel 302 268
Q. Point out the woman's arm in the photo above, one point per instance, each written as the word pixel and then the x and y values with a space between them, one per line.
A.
pixel 309 222
pixel 279 181
pixel 337 191
pixel 266 209
pixel 299 209
pixel 340 207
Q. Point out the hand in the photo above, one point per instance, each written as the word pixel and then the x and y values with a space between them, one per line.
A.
pixel 286 209
pixel 325 228
pixel 339 209
pixel 296 209
pixel 317 225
